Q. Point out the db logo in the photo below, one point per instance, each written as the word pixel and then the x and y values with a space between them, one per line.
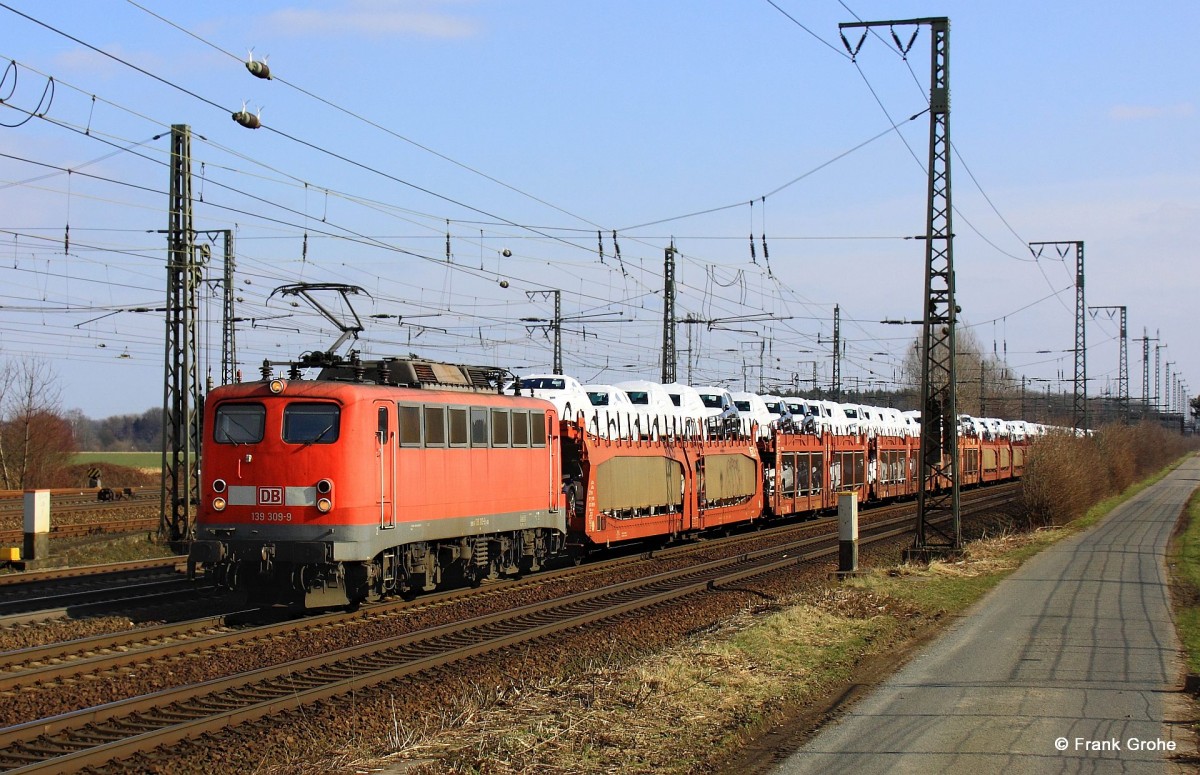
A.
pixel 270 496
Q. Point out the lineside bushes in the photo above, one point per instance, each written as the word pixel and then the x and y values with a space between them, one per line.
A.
pixel 1065 475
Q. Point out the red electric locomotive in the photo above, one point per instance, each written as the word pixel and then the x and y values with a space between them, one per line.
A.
pixel 337 490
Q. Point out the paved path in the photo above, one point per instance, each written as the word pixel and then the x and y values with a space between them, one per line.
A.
pixel 1078 646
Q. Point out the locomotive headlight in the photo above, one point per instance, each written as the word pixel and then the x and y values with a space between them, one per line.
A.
pixel 218 485
pixel 218 504
pixel 277 385
pixel 325 490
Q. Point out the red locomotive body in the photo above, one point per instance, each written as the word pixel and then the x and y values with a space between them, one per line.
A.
pixel 326 493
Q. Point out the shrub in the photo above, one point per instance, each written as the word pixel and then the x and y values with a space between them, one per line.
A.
pixel 1065 475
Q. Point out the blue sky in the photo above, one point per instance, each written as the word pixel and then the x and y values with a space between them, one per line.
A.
pixel 528 126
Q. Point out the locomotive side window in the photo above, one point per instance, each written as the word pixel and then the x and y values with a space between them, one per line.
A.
pixel 479 427
pixel 458 426
pixel 239 423
pixel 435 426
pixel 311 423
pixel 520 429
pixel 410 425
pixel 499 428
pixel 537 429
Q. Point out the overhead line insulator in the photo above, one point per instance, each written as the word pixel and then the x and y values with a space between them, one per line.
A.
pixel 247 119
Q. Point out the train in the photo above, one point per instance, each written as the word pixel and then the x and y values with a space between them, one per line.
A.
pixel 397 476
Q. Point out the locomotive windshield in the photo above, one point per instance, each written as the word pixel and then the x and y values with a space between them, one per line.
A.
pixel 239 423
pixel 598 397
pixel 311 423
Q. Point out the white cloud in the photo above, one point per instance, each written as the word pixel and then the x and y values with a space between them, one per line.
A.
pixel 374 18
pixel 1144 112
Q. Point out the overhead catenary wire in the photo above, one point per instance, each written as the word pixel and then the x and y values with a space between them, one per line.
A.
pixel 639 271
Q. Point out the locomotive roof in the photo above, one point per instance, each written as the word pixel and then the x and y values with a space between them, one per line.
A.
pixel 346 392
pixel 414 372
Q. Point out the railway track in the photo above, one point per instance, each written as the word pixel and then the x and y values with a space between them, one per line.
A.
pixel 91 590
pixel 78 529
pixel 75 513
pixel 13 507
pixel 93 736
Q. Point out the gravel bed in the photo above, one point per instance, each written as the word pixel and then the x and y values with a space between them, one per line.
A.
pixel 126 510
pixel 24 636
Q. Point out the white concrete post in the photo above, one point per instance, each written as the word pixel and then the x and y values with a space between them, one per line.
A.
pixel 847 532
pixel 37 525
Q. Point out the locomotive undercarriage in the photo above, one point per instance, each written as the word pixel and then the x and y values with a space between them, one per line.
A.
pixel 424 566
pixel 421 566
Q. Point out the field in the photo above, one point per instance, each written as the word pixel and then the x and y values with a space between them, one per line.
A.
pixel 128 459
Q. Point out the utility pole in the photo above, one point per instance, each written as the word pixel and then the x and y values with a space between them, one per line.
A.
pixel 1123 369
pixel 1063 247
pixel 836 387
pixel 1167 403
pixel 762 351
pixel 1146 340
pixel 181 386
pixel 668 353
pixel 555 325
pixel 228 333
pixel 939 383
pixel 1158 348
pixel 982 391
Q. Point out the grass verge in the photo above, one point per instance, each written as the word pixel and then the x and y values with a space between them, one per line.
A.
pixel 1185 571
pixel 128 459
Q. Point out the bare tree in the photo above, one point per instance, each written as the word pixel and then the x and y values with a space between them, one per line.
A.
pixel 36 443
pixel 986 386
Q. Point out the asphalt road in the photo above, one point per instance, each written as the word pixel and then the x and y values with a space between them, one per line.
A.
pixel 1070 665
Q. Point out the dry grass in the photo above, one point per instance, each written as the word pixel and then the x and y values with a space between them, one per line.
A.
pixel 1065 475
pixel 672 712
pixel 687 708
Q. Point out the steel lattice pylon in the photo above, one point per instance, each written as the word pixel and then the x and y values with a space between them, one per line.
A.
pixel 1079 410
pixel 836 380
pixel 1123 368
pixel 228 332
pixel 669 356
pixel 938 495
pixel 181 386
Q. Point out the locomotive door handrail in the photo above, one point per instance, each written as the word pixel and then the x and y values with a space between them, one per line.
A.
pixel 385 452
pixel 555 477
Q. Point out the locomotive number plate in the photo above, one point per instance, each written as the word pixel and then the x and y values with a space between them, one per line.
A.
pixel 270 496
